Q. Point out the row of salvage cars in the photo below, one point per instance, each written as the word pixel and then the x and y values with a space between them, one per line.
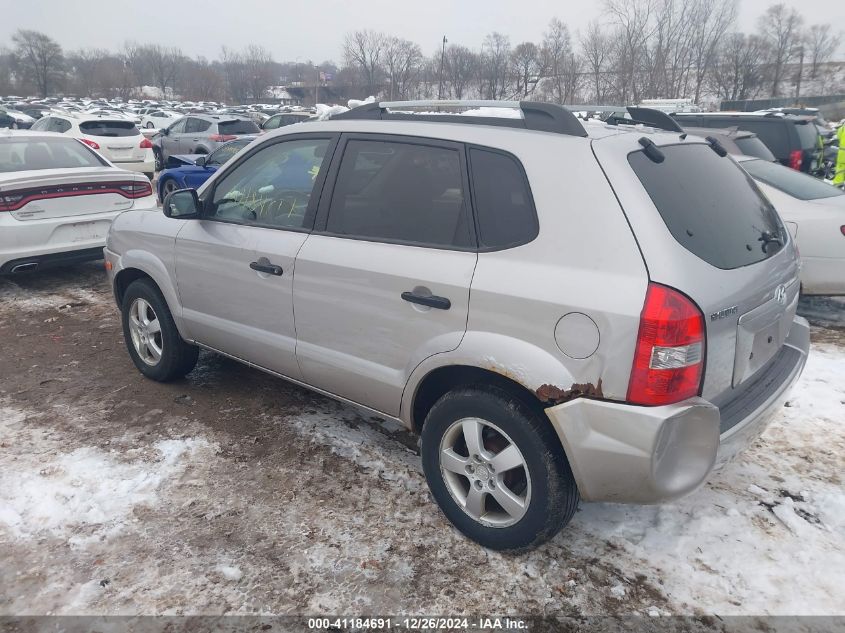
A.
pixel 59 194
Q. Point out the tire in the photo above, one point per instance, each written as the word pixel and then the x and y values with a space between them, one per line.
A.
pixel 543 481
pixel 159 159
pixel 167 186
pixel 175 357
pixel 150 125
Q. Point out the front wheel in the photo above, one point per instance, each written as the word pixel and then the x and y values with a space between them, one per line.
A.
pixel 168 186
pixel 496 469
pixel 154 343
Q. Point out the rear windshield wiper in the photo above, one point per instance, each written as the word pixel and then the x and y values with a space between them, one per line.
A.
pixel 767 237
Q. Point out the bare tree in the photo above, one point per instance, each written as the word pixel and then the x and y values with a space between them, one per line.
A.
pixel 163 65
pixel 557 49
pixel 738 71
pixel 780 26
pixel 527 63
pixel 822 43
pixel 403 61
pixel 40 59
pixel 258 70
pixel 495 66
pixel 85 67
pixel 234 69
pixel 596 50
pixel 363 50
pixel 635 27
pixel 461 66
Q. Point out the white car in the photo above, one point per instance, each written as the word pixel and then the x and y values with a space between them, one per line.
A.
pixel 58 198
pixel 117 139
pixel 814 212
pixel 159 119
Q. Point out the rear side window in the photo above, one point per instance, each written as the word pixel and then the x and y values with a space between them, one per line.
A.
pixel 195 126
pixel 753 146
pixel 238 127
pixel 774 135
pixel 710 205
pixel 109 128
pixel 503 205
pixel 400 192
pixel 794 183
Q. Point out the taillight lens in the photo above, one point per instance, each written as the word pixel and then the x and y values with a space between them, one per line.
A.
pixel 669 358
pixel 796 157
pixel 90 143
pixel 219 138
pixel 9 201
pixel 146 144
pixel 136 189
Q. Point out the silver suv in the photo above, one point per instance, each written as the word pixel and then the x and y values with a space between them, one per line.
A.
pixel 200 134
pixel 561 313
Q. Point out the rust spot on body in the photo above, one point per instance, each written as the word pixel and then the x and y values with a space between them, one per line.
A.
pixel 551 395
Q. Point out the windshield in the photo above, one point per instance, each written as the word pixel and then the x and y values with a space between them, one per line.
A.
pixel 796 184
pixel 711 207
pixel 21 154
pixel 753 146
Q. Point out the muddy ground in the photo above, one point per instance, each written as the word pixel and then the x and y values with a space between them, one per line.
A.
pixel 235 492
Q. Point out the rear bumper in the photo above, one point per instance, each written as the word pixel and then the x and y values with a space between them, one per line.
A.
pixel 632 454
pixel 51 260
pixel 142 167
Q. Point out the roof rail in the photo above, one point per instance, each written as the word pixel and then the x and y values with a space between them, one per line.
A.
pixel 543 117
pixel 636 115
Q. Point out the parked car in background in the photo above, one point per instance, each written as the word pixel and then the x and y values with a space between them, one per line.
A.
pixel 429 253
pixel 15 119
pixel 160 118
pixel 57 200
pixel 285 118
pixel 192 170
pixel 735 141
pixel 200 134
pixel 792 139
pixel 814 211
pixel 119 140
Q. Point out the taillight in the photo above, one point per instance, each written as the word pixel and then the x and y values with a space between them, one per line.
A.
pixel 669 358
pixel 796 157
pixel 136 189
pixel 842 229
pixel 90 143
pixel 10 201
pixel 146 144
pixel 219 138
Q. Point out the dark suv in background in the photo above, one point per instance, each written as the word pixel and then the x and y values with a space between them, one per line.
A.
pixel 792 139
pixel 737 142
pixel 200 134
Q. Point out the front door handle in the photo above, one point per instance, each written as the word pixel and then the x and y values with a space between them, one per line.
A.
pixel 432 301
pixel 270 269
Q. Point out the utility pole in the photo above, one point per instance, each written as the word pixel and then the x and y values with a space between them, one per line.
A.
pixel 317 87
pixel 442 58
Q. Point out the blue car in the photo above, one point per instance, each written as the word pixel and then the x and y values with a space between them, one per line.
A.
pixel 189 171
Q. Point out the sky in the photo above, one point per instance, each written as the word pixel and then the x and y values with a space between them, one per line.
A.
pixel 311 30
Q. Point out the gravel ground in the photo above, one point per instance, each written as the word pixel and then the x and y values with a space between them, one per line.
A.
pixel 234 492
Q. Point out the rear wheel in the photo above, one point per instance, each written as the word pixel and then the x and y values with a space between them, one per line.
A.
pixel 159 159
pixel 150 125
pixel 153 341
pixel 496 469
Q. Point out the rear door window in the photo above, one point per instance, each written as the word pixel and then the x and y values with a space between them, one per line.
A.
pixel 710 205
pixel 400 192
pixel 504 209
pixel 196 126
pixel 238 127
pixel 109 128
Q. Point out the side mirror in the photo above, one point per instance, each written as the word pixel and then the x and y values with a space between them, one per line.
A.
pixel 200 161
pixel 182 204
pixel 164 131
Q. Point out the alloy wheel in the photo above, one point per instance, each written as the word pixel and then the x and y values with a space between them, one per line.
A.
pixel 145 331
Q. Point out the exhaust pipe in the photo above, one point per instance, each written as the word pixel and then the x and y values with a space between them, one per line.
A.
pixel 26 267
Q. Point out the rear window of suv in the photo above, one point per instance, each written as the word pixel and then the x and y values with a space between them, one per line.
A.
pixel 808 134
pixel 109 128
pixel 237 127
pixel 710 205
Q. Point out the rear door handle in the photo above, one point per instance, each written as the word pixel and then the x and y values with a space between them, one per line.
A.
pixel 270 269
pixel 432 301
